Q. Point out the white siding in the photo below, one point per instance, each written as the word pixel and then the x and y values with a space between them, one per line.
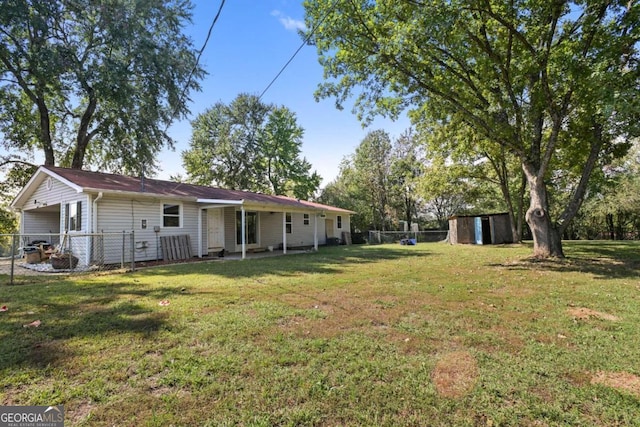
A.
pixel 45 222
pixel 45 213
pixel 271 229
pixel 118 214
pixel 337 232
pixel 58 193
pixel 230 229
pixel 301 234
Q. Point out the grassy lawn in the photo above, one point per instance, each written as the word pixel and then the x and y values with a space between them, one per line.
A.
pixel 426 335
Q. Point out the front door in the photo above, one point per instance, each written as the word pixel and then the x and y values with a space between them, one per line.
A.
pixel 328 226
pixel 215 220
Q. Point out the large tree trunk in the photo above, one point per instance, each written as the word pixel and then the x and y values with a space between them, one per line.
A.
pixel 547 241
pixel 45 133
pixel 84 136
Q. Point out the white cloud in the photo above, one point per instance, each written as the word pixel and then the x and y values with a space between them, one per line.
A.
pixel 288 22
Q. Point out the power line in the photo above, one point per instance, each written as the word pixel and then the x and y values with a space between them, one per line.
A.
pixel 304 42
pixel 195 66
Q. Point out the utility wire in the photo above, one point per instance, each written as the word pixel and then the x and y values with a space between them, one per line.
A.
pixel 304 42
pixel 195 66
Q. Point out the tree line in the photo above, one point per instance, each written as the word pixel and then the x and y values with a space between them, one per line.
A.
pixel 390 183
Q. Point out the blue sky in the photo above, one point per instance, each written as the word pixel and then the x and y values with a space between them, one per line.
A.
pixel 250 43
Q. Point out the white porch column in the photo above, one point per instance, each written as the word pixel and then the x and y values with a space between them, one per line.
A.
pixel 243 223
pixel 315 232
pixel 200 211
pixel 284 232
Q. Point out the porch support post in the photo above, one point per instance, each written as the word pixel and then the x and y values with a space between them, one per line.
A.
pixel 200 211
pixel 284 232
pixel 315 233
pixel 243 232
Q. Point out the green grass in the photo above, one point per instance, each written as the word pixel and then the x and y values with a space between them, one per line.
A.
pixel 387 335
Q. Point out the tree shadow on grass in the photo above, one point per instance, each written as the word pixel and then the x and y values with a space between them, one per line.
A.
pixel 70 311
pixel 602 259
pixel 326 261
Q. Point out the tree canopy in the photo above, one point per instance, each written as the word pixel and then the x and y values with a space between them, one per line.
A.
pixel 555 84
pixel 380 182
pixel 93 82
pixel 250 145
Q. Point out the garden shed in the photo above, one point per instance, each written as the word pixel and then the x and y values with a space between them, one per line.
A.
pixel 483 229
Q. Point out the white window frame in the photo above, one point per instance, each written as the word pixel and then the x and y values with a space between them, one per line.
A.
pixel 306 219
pixel 180 214
pixel 77 216
pixel 288 216
pixel 256 224
pixel 339 221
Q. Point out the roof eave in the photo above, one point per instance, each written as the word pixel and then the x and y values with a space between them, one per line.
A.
pixel 139 193
pixel 220 201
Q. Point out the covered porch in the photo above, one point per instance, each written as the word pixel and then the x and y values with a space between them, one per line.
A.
pixel 229 228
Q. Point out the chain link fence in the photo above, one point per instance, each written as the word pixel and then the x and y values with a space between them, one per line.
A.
pixel 407 237
pixel 49 255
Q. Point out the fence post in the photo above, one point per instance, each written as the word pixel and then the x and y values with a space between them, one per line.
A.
pixel 133 251
pixel 122 252
pixel 70 254
pixel 13 257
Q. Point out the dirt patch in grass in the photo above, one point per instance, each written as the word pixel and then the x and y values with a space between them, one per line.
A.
pixel 78 412
pixel 455 374
pixel 582 313
pixel 508 339
pixel 623 381
pixel 337 312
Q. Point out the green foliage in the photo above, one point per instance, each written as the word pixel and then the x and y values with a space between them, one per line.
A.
pixel 97 83
pixel 472 175
pixel 249 145
pixel 612 207
pixel 553 84
pixel 281 144
pixel 379 182
pixel 447 191
pixel 407 159
pixel 364 183
pixel 371 172
pixel 8 226
pixel 15 175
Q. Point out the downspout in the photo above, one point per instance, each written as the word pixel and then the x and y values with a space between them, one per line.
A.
pixel 94 226
pixel 200 212
pixel 243 234
pixel 315 232
pixel 22 230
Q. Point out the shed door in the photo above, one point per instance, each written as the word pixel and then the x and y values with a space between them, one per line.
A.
pixel 478 229
pixel 215 221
